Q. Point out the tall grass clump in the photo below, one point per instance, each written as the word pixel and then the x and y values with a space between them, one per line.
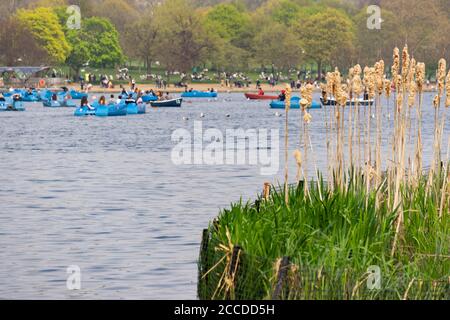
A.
pixel 320 239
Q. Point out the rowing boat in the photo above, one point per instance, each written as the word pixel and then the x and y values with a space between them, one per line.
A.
pixel 254 96
pixel 167 103
pixel 353 102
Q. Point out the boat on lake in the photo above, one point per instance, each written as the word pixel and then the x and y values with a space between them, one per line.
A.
pixel 98 110
pixel 353 102
pixel 167 103
pixel 133 108
pixel 76 95
pixel 255 96
pixel 10 105
pixel 295 104
pixel 149 97
pixel 25 95
pixel 199 94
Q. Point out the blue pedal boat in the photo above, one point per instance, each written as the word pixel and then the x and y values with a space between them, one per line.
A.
pixel 199 94
pixel 9 105
pixel 133 108
pixel 295 104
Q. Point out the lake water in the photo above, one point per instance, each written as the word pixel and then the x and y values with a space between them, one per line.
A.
pixel 104 194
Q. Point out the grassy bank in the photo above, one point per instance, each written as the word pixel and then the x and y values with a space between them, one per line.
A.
pixel 331 243
pixel 369 221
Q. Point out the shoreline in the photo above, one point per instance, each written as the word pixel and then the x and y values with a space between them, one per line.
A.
pixel 197 86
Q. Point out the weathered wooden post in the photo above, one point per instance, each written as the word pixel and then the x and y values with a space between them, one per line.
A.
pixel 266 190
pixel 203 265
pixel 281 278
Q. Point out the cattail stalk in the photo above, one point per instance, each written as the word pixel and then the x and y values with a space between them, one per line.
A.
pixel 286 145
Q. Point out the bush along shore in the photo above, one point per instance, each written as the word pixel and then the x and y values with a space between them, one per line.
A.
pixel 362 230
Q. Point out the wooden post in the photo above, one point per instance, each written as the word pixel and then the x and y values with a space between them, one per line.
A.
pixel 257 205
pixel 281 278
pixel 202 285
pixel 266 190
pixel 204 246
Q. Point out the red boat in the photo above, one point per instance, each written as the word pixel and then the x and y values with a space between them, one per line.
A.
pixel 255 96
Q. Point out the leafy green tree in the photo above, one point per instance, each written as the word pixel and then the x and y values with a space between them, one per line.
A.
pixel 227 21
pixel 285 12
pixel 423 26
pixel 229 27
pixel 277 46
pixel 374 44
pixel 18 46
pixel 184 39
pixel 96 44
pixel 324 35
pixel 142 37
pixel 121 14
pixel 44 25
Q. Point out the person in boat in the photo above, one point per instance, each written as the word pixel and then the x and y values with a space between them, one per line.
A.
pixel 54 97
pixel 119 100
pixel 112 99
pixel 261 91
pixel 16 98
pixel 139 98
pixel 2 97
pixel 190 90
pixel 85 103
pixel 282 95
pixel 366 95
pixel 130 99
pixel 324 96
pixel 212 90
pixel 124 92
pixel 102 101
pixel 167 96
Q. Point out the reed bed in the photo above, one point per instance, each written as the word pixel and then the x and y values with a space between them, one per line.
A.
pixel 317 239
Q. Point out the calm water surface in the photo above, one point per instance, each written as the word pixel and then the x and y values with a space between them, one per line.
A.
pixel 103 194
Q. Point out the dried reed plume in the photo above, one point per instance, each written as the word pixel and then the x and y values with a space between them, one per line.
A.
pixel 447 89
pixel 286 143
pixel 396 63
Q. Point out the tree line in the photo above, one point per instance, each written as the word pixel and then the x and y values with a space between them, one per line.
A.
pixel 225 37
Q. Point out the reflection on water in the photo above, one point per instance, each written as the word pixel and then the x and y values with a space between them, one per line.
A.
pixel 103 194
